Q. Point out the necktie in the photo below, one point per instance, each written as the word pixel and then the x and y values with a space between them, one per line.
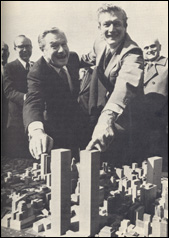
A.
pixel 66 79
pixel 63 76
pixel 27 67
pixel 107 58
pixel 149 65
pixel 149 70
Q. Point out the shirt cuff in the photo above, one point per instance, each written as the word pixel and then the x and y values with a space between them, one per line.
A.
pixel 34 126
pixel 113 107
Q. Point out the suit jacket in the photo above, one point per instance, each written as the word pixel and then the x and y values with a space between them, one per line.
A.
pixel 156 94
pixel 47 92
pixel 15 86
pixel 121 83
pixel 156 80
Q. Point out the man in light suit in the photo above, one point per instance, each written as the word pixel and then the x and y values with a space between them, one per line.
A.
pixel 15 89
pixel 51 108
pixel 116 85
pixel 156 99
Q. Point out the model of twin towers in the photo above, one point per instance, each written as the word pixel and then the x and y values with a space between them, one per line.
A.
pixel 61 192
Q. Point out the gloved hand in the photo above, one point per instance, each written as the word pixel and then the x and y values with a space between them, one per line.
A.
pixel 104 132
pixel 39 142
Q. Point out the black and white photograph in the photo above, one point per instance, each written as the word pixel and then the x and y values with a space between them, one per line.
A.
pixel 84 118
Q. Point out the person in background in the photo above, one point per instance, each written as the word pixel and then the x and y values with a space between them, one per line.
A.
pixel 51 109
pixel 4 55
pixel 116 89
pixel 156 100
pixel 4 113
pixel 15 89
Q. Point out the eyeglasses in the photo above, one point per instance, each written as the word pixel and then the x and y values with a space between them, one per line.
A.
pixel 24 46
pixel 150 46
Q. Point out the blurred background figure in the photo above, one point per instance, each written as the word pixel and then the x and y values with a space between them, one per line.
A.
pixel 4 112
pixel 4 54
pixel 156 100
pixel 15 89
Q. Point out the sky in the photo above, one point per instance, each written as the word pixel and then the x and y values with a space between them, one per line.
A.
pixel 78 19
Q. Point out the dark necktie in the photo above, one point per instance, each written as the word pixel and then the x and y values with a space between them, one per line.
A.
pixel 27 67
pixel 107 58
pixel 66 80
pixel 63 76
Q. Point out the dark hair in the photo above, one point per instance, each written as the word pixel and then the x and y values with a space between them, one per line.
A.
pixel 108 7
pixel 41 37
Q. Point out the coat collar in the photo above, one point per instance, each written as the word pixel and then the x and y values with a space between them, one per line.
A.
pixel 160 61
pixel 153 71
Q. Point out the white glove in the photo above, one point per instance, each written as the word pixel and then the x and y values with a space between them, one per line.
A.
pixel 40 143
pixel 103 133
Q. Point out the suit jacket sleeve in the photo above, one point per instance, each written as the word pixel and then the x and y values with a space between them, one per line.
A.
pixel 10 91
pixel 34 104
pixel 129 81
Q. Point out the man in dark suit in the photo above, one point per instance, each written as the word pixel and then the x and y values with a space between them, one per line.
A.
pixel 51 109
pixel 15 89
pixel 156 100
pixel 4 115
pixel 4 55
pixel 115 88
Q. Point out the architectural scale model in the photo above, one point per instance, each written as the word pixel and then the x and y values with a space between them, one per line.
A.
pixel 58 198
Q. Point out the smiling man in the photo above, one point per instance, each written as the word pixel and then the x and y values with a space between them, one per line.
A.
pixel 156 100
pixel 115 88
pixel 50 109
pixel 15 89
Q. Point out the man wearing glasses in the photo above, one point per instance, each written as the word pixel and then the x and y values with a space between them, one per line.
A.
pixel 15 89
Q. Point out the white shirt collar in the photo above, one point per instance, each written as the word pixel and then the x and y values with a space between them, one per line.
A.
pixel 23 62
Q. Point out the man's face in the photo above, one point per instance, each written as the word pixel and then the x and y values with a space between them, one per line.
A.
pixel 4 54
pixel 23 47
pixel 56 50
pixel 152 50
pixel 112 27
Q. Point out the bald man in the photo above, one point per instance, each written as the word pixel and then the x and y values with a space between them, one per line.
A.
pixel 15 89
pixel 156 98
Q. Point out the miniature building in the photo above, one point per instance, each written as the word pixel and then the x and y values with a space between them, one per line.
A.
pixel 120 193
pixel 154 169
pixel 148 196
pixel 60 191
pixel 89 192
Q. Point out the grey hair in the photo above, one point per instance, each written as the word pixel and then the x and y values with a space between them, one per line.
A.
pixel 108 7
pixel 53 30
pixel 23 36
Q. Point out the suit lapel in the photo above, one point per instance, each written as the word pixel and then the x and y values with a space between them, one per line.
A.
pixel 152 72
pixel 111 65
pixel 99 59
